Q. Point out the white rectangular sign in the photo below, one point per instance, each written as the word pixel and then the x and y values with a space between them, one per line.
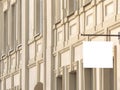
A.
pixel 97 54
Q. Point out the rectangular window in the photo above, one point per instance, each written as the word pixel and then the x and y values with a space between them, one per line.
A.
pixel 72 6
pixel 18 22
pixel 88 79
pixel 13 39
pixel 57 10
pixel 1 84
pixel 31 18
pixel 72 81
pixel 65 8
pixel 5 30
pixel 108 79
pixel 59 83
pixel 38 10
pixel 41 16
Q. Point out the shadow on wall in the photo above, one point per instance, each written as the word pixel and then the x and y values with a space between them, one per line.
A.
pixel 39 86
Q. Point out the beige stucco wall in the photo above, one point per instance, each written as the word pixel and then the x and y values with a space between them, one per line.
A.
pixel 57 52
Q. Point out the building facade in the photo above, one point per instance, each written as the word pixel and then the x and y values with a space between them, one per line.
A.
pixel 41 42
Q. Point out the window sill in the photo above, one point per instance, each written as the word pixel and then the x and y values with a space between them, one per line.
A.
pixel 70 14
pixel 38 36
pixel 32 64
pixel 57 21
pixel 35 38
pixel 19 47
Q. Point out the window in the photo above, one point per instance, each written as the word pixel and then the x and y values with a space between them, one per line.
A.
pixel 41 16
pixel 5 30
pixel 59 83
pixel 20 34
pixel 72 81
pixel 88 79
pixel 18 22
pixel 57 10
pixel 1 84
pixel 38 10
pixel 13 25
pixel 31 18
pixel 108 79
pixel 65 8
pixel 72 6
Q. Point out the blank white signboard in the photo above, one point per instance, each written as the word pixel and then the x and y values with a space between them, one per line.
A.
pixel 97 54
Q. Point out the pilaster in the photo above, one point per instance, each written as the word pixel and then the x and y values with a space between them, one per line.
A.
pixel 25 44
pixel 49 46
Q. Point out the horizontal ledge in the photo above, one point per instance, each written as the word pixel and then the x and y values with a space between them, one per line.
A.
pixel 115 35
